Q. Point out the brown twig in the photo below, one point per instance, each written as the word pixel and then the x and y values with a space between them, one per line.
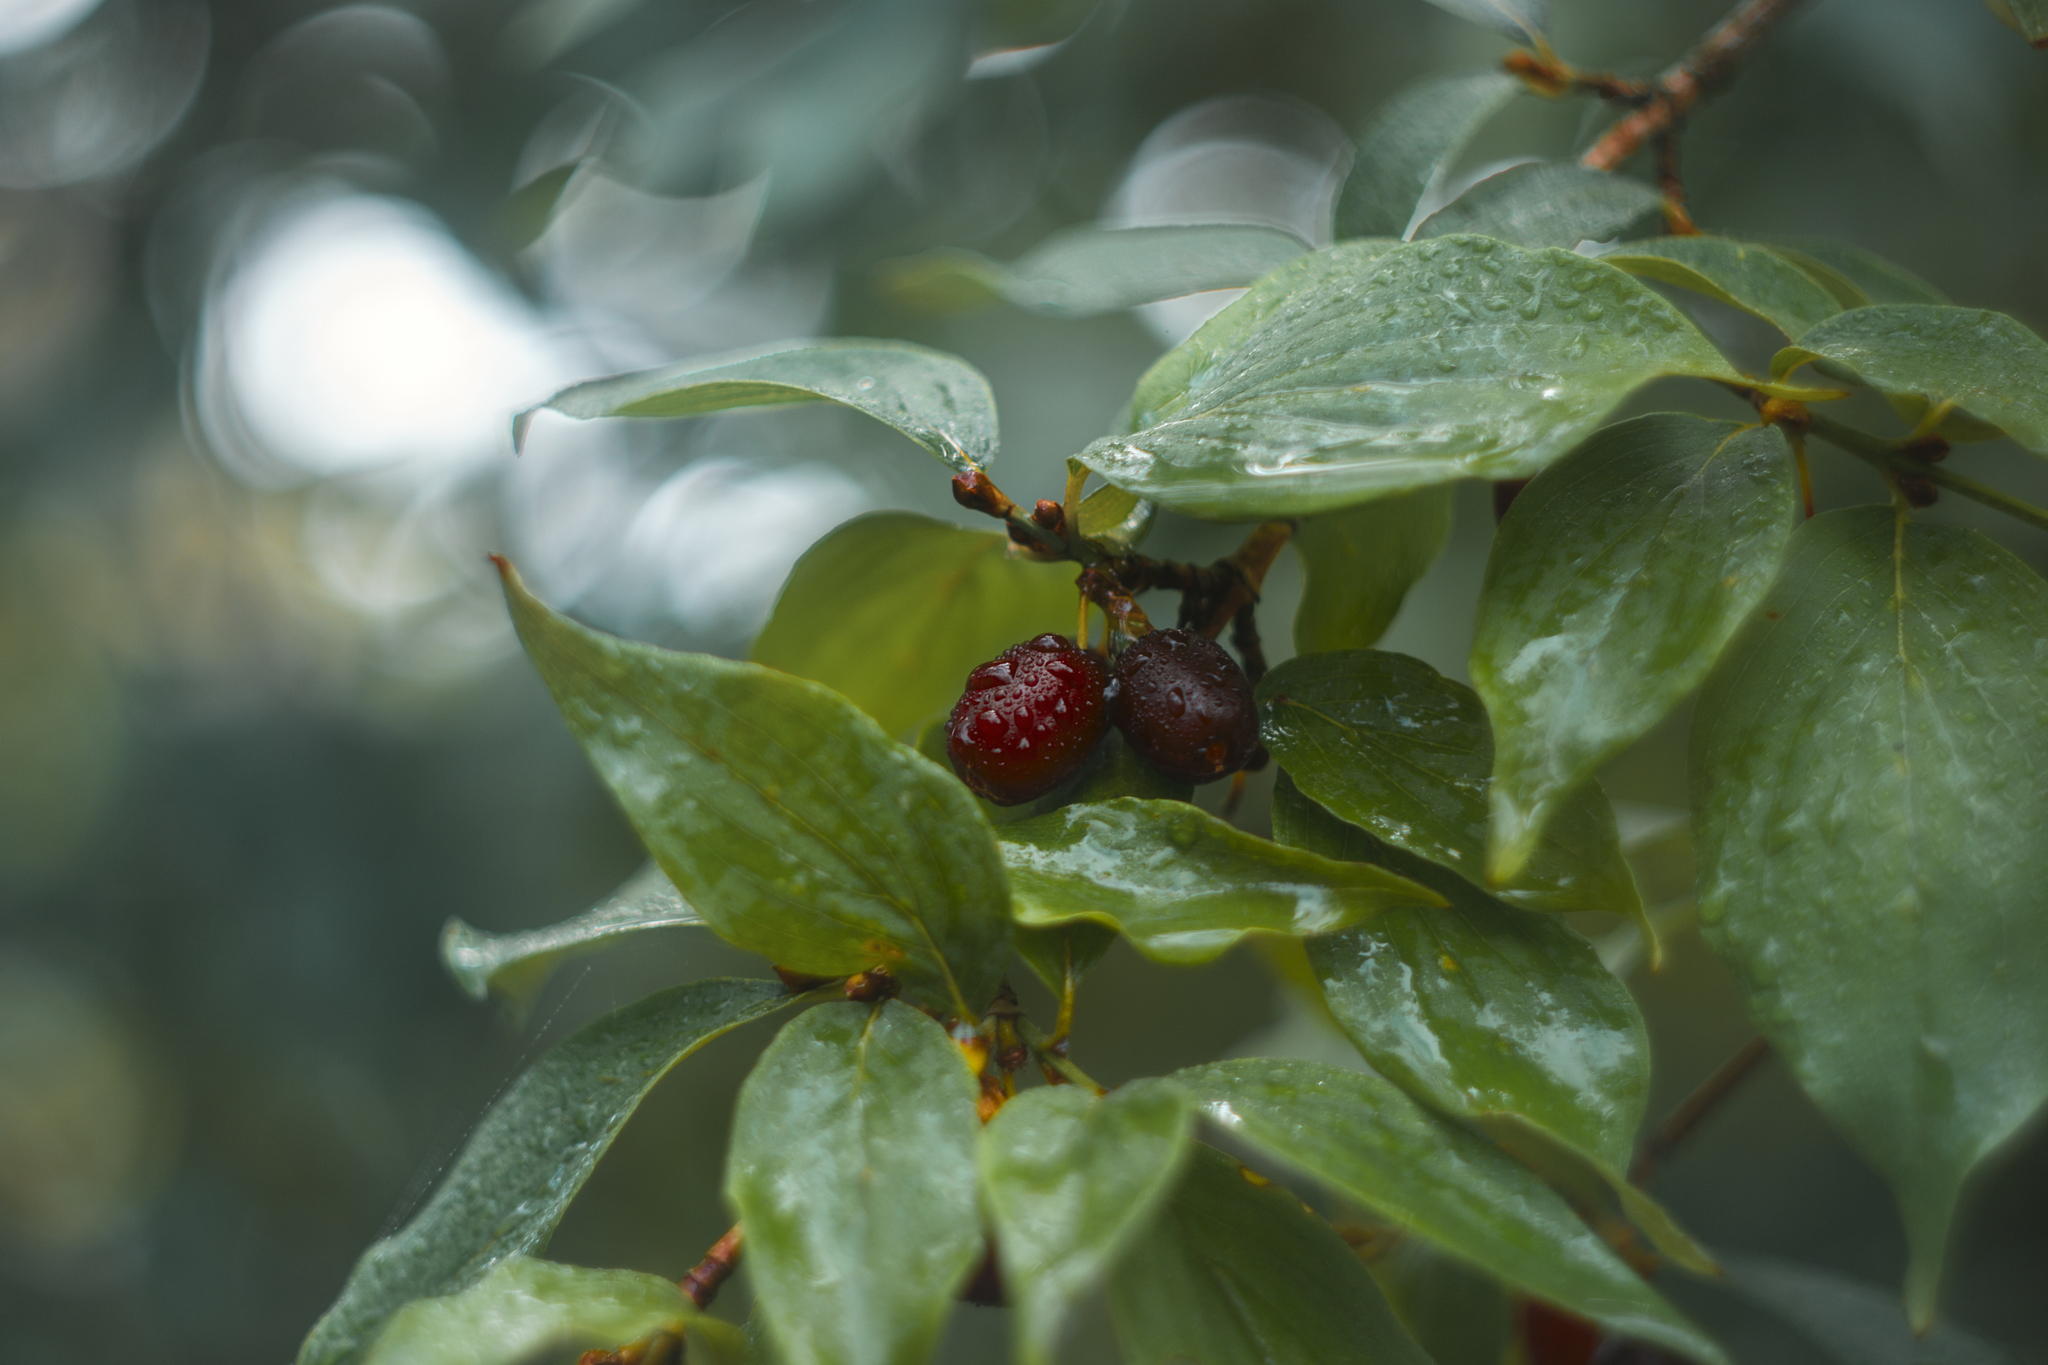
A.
pixel 1677 218
pixel 702 1283
pixel 1696 1106
pixel 662 1348
pixel 1710 66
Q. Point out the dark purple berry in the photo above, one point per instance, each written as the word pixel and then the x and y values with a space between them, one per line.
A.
pixel 1028 719
pixel 1185 706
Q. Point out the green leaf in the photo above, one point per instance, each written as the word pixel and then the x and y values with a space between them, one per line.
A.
pixel 852 1168
pixel 1116 520
pixel 1070 1180
pixel 1411 142
pixel 1857 277
pixel 2028 17
pixel 1363 371
pixel 1752 278
pixel 1085 271
pixel 1521 20
pixel 1237 1273
pixel 1363 1138
pixel 937 400
pixel 1870 763
pixel 1052 953
pixel 1852 1323
pixel 1986 363
pixel 1457 1315
pixel 524 1308
pixel 516 966
pixel 1391 745
pixel 783 814
pixel 1613 585
pixel 530 1154
pixel 1497 1017
pixel 1358 564
pixel 893 610
pixel 1181 884
pixel 1547 203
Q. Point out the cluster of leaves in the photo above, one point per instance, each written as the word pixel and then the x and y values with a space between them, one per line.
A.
pixel 1869 748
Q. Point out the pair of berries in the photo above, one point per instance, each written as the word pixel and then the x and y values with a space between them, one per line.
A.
pixel 1031 716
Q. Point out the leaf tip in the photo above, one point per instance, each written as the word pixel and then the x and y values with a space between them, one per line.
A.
pixel 522 422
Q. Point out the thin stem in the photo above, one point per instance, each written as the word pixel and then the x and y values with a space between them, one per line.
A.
pixel 702 1283
pixel 1707 68
pixel 1805 474
pixel 1889 459
pixel 1053 1057
pixel 1673 1132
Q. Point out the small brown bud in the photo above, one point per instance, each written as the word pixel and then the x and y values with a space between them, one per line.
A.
pixel 974 491
pixel 1919 489
pixel 1051 516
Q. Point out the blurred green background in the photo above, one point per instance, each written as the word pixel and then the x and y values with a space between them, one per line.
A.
pixel 274 274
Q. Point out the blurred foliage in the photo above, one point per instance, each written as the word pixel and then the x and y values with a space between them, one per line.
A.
pixel 261 731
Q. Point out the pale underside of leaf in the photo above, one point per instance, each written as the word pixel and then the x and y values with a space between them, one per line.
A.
pixel 1086 271
pixel 517 965
pixel 937 400
pixel 530 1154
pixel 1408 146
pixel 1557 204
pixel 1524 21
pixel 525 1308
pixel 1868 769
pixel 1181 884
pixel 1743 275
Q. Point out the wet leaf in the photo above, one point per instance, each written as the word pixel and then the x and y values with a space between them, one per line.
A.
pixel 1391 745
pixel 1237 1273
pixel 1085 271
pixel 1409 145
pixel 1547 203
pixel 937 400
pixel 526 1307
pixel 1852 1323
pixel 1613 585
pixel 1181 884
pixel 1495 1016
pixel 1116 520
pixel 1755 279
pixel 1363 371
pixel 852 1168
pixel 1986 363
pixel 1365 1139
pixel 1358 565
pixel 2029 18
pixel 530 1154
pixel 1521 20
pixel 1070 1181
pixel 893 610
pixel 1870 764
pixel 785 816
pixel 517 965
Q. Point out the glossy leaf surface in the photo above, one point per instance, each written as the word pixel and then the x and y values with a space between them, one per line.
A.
pixel 1409 144
pixel 1085 271
pixel 1234 1273
pixel 1986 363
pixel 1522 20
pixel 893 610
pixel 1358 564
pixel 1363 371
pixel 530 1154
pixel 1850 1322
pixel 852 1168
pixel 1391 745
pixel 1870 765
pixel 1547 203
pixel 517 965
pixel 1753 278
pixel 937 400
pixel 1503 1019
pixel 793 824
pixel 1479 1010
pixel 1070 1181
pixel 1614 583
pixel 1364 1138
pixel 1181 884
pixel 526 1307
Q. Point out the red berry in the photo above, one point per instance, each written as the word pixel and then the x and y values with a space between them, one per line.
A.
pixel 1185 706
pixel 1028 719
